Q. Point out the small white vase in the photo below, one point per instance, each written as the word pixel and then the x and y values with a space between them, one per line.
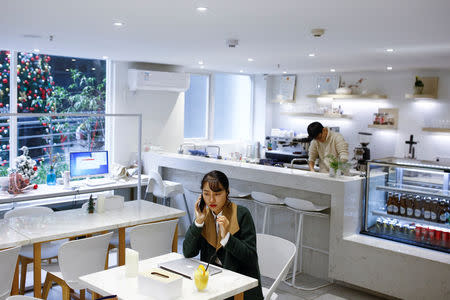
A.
pixel 332 172
pixel 338 172
pixel 344 91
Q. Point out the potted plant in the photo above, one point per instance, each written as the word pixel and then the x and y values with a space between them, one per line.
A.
pixel 418 86
pixel 334 164
pixel 349 89
pixel 91 205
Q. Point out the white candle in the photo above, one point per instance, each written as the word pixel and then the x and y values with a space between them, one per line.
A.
pixel 100 203
pixel 131 262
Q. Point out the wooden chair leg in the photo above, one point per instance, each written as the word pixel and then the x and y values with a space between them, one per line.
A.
pixel 47 286
pixel 82 294
pixel 65 292
pixel 23 273
pixel 15 284
pixel 94 295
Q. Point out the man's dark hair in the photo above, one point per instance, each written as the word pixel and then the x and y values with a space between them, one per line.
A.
pixel 314 129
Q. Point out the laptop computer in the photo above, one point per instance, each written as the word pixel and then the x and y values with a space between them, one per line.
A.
pixel 187 266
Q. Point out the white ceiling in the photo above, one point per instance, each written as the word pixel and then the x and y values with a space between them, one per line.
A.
pixel 270 31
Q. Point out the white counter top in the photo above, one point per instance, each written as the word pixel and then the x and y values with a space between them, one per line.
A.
pixel 10 237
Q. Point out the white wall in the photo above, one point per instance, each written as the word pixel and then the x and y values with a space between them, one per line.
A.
pixel 413 115
pixel 162 114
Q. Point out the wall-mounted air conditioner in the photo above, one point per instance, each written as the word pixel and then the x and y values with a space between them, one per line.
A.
pixel 157 81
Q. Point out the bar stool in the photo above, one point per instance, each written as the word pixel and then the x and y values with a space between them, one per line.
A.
pixel 165 189
pixel 304 208
pixel 268 201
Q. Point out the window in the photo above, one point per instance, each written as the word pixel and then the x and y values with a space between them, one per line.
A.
pixel 230 105
pixel 56 84
pixel 196 107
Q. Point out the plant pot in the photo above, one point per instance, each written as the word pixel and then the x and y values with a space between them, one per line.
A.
pixel 338 172
pixel 418 90
pixel 344 91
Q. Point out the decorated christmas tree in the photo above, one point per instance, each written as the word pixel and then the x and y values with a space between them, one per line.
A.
pixel 4 108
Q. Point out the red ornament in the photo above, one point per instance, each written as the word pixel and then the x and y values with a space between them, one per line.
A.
pixel 5 81
pixel 1 105
pixel 7 147
pixel 45 149
pixel 34 168
pixel 35 186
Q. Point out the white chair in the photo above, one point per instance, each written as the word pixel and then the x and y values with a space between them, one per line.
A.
pixel 48 250
pixel 304 208
pixel 275 256
pixel 20 297
pixel 267 201
pixel 153 239
pixel 8 260
pixel 76 258
pixel 165 189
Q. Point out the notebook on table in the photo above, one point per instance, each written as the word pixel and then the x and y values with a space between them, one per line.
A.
pixel 187 266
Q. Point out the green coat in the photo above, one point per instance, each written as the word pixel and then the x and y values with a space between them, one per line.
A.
pixel 239 254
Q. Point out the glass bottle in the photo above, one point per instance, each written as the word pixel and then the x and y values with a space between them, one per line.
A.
pixel 51 176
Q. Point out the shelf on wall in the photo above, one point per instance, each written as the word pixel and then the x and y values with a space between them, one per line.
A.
pixel 430 89
pixel 420 96
pixel 432 129
pixel 382 126
pixel 383 213
pixel 283 101
pixel 317 115
pixel 351 96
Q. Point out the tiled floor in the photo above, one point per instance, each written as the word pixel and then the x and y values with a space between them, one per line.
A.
pixel 284 291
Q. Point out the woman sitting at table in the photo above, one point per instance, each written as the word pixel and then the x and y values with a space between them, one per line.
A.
pixel 224 230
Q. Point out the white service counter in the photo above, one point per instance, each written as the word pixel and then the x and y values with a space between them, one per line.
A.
pixel 383 266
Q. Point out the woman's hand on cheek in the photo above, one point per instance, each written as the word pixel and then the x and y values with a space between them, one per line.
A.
pixel 223 225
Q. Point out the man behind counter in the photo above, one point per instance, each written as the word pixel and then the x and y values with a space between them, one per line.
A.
pixel 325 142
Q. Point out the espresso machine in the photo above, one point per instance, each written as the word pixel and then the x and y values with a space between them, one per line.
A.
pixel 362 153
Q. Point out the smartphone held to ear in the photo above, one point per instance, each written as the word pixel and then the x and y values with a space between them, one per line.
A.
pixel 201 205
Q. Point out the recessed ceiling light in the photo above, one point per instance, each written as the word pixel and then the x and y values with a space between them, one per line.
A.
pixel 36 50
pixel 332 70
pixel 200 62
pixel 311 55
pixel 93 69
pixel 388 68
pixel 250 59
pixel 284 72
pixel 389 50
pixel 202 8
pixel 73 59
pixel 118 24
pixel 241 71
pixel 67 70
pixel 201 67
pixel 105 57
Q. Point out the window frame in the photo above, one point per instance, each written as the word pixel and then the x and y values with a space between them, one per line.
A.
pixel 209 137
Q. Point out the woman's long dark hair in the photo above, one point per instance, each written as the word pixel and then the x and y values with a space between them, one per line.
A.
pixel 216 181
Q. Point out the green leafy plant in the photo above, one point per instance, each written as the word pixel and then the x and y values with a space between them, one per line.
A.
pixel 334 162
pixel 419 82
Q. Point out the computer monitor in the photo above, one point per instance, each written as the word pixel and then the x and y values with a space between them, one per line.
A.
pixel 89 163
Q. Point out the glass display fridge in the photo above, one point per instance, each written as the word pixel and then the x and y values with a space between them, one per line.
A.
pixel 408 201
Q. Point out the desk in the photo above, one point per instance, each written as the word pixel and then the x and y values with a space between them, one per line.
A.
pixel 50 191
pixel 77 222
pixel 220 286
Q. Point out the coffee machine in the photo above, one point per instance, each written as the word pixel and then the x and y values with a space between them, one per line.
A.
pixel 362 153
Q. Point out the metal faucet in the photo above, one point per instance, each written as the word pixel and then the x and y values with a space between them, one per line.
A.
pixel 214 146
pixel 294 160
pixel 180 148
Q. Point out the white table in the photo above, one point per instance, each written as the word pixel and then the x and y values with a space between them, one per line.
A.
pixel 78 187
pixel 77 222
pixel 220 286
